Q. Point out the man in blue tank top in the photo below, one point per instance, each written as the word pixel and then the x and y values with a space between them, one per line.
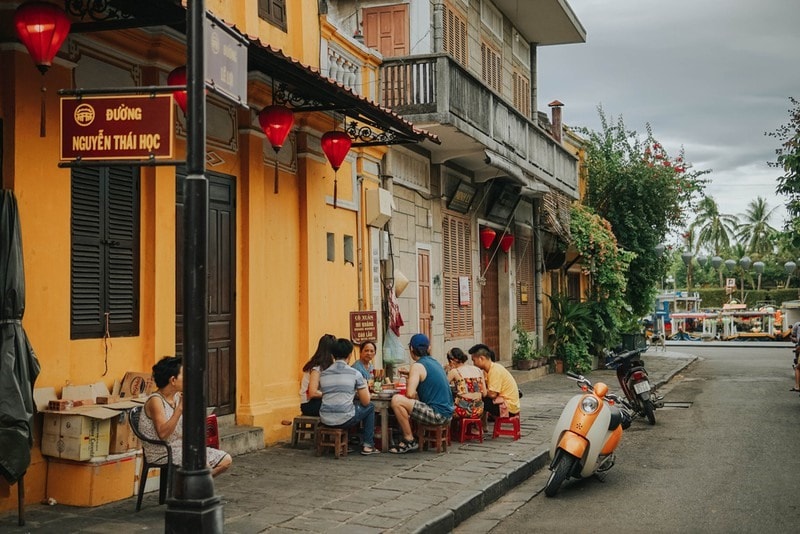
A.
pixel 428 398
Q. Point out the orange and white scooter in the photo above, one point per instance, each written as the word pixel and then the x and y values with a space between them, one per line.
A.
pixel 586 434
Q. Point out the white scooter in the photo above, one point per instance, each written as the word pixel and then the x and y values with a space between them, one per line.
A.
pixel 586 434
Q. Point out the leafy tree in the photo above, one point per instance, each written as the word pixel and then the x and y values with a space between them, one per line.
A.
pixel 643 193
pixel 788 159
pixel 754 230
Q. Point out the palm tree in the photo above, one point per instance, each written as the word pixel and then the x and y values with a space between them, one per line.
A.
pixel 713 229
pixel 755 231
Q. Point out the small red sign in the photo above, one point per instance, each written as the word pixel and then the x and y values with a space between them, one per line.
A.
pixel 117 127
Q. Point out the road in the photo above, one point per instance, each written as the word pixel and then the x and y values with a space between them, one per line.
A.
pixel 727 462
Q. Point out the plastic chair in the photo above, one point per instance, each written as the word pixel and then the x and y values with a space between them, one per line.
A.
pixel 165 480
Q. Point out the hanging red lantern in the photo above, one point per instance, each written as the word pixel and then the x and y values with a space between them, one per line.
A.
pixel 336 145
pixel 276 121
pixel 487 237
pixel 178 77
pixel 506 241
pixel 42 28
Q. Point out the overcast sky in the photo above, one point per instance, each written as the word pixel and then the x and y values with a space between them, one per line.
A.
pixel 709 75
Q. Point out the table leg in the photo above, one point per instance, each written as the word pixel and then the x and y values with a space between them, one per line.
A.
pixel 384 427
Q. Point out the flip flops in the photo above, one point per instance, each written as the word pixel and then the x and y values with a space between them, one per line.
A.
pixel 405 446
pixel 366 451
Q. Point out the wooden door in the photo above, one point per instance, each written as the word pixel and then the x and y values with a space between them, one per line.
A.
pixel 490 303
pixel 424 285
pixel 386 29
pixel 220 374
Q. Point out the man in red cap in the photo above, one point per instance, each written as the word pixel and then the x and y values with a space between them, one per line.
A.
pixel 428 398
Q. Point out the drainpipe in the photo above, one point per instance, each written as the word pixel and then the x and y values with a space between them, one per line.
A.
pixel 360 244
pixel 538 270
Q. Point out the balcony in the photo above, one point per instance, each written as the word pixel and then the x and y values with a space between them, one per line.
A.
pixel 477 127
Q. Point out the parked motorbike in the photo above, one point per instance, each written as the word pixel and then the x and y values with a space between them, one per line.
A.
pixel 586 434
pixel 632 375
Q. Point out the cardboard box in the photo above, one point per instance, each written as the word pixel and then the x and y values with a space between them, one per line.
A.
pixel 135 385
pixel 98 481
pixel 122 437
pixel 79 434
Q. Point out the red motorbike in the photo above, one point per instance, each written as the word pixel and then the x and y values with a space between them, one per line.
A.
pixel 632 375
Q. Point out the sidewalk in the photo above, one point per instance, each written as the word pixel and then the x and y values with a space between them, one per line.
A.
pixel 280 489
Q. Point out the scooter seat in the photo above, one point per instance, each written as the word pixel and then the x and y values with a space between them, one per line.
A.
pixel 616 418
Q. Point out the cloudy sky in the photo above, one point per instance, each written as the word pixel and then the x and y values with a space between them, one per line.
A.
pixel 709 75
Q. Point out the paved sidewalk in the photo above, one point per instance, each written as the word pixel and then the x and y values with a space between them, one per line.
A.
pixel 280 489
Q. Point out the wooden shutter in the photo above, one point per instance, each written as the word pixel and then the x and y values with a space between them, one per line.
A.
pixel 273 11
pixel 491 67
pixel 455 35
pixel 526 310
pixel 386 29
pixel 87 256
pixel 458 320
pixel 522 93
pixel 104 254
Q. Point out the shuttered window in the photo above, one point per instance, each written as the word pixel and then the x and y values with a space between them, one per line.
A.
pixel 455 35
pixel 522 93
pixel 456 237
pixel 273 11
pixel 491 67
pixel 105 252
pixel 574 286
pixel 526 301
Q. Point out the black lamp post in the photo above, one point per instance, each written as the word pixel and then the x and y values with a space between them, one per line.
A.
pixel 194 507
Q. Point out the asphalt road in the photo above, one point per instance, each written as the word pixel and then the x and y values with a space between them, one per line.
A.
pixel 729 461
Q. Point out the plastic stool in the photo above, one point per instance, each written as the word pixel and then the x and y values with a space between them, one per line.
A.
pixel 465 435
pixel 304 427
pixel 212 431
pixel 336 438
pixel 434 435
pixel 500 431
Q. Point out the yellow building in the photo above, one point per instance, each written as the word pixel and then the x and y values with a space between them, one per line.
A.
pixel 290 257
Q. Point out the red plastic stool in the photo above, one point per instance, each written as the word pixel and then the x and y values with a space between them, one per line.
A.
pixel 465 435
pixel 500 431
pixel 212 431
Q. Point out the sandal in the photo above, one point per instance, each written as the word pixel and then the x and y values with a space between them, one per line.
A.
pixel 366 451
pixel 405 446
pixel 794 389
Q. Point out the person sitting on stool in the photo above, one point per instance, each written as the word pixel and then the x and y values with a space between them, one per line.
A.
pixel 502 397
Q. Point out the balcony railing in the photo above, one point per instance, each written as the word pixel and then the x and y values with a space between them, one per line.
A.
pixel 434 87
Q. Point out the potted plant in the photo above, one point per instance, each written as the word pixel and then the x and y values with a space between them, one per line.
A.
pixel 524 355
pixel 570 331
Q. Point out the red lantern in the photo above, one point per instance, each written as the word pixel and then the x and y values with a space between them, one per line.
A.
pixel 506 241
pixel 42 28
pixel 487 237
pixel 178 77
pixel 336 145
pixel 276 121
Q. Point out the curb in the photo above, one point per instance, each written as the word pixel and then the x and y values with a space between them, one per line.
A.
pixel 471 503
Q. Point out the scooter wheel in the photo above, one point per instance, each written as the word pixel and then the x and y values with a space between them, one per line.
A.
pixel 559 474
pixel 650 411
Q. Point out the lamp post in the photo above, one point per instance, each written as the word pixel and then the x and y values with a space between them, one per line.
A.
pixel 759 268
pixel 194 507
pixel 789 268
pixel 716 263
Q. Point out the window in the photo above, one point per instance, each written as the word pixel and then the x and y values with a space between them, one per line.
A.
pixel 455 35
pixel 348 249
pixel 492 19
pixel 331 246
pixel 521 49
pixel 526 301
pixel 456 263
pixel 574 286
pixel 274 12
pixel 491 67
pixel 105 252
pixel 522 93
